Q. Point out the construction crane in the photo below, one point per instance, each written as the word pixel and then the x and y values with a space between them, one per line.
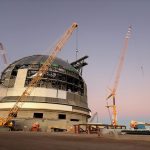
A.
pixel 44 68
pixel 117 78
pixel 93 117
pixel 3 53
pixel 138 125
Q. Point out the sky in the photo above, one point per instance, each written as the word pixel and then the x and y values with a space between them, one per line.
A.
pixel 29 27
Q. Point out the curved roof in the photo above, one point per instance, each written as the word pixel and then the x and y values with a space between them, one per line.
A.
pixel 40 59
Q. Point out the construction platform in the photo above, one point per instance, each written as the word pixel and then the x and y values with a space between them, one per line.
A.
pixel 94 128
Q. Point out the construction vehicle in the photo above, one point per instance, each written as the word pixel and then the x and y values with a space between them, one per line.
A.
pixel 8 121
pixel 138 128
pixel 35 127
pixel 138 125
pixel 117 78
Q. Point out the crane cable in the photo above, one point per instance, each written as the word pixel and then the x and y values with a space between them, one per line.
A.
pixel 110 117
pixel 77 50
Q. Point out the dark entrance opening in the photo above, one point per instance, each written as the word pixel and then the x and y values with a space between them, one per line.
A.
pixel 38 115
pixel 61 116
pixel 74 120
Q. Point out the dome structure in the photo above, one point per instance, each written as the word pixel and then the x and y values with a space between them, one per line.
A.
pixel 59 99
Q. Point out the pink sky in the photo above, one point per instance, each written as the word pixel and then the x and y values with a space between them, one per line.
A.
pixel 29 27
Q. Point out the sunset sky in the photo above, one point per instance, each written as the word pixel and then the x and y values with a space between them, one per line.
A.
pixel 29 27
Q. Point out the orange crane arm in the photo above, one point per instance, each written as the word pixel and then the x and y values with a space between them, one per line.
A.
pixel 44 68
pixel 121 60
pixel 117 76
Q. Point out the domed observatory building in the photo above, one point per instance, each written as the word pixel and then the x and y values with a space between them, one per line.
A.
pixel 59 101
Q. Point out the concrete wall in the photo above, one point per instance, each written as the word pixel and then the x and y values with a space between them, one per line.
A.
pixel 30 105
pixel 50 119
pixel 50 111
pixel 3 92
pixel 40 92
pixel 21 77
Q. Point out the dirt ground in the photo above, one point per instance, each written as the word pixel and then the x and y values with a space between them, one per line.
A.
pixel 61 141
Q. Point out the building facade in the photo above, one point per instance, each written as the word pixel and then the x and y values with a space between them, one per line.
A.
pixel 59 100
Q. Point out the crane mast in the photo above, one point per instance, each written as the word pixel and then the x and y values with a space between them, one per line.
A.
pixel 44 68
pixel 93 117
pixel 3 53
pixel 117 77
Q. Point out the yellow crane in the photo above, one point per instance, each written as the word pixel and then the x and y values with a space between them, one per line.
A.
pixel 44 68
pixel 117 78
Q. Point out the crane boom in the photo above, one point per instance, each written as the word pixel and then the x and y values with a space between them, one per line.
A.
pixel 3 53
pixel 93 117
pixel 44 68
pixel 117 76
pixel 121 60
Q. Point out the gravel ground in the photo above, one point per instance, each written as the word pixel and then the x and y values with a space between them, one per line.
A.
pixel 61 141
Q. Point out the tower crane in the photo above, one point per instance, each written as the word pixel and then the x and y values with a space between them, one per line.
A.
pixel 3 53
pixel 117 78
pixel 93 117
pixel 43 69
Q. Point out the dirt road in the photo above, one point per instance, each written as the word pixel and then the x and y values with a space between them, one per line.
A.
pixel 49 141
